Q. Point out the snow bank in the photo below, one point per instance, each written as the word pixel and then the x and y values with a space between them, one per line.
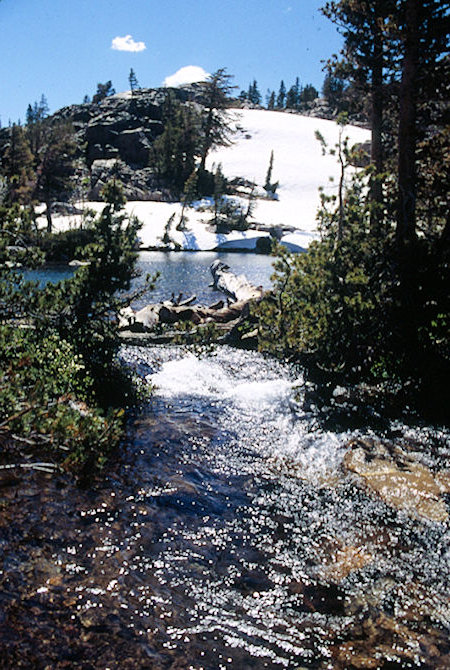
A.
pixel 299 167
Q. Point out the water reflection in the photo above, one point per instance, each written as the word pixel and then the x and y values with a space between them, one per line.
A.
pixel 179 272
pixel 228 535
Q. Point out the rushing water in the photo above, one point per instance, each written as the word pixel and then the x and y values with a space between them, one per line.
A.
pixel 229 534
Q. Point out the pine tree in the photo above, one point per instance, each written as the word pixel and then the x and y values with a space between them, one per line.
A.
pixel 308 94
pixel 281 97
pixel 132 79
pixel 17 166
pixel 103 91
pixel 253 95
pixel 367 31
pixel 190 193
pixel 55 170
pixel 270 99
pixel 293 95
pixel 220 188
pixel 333 89
pixel 43 108
pixel 269 186
pixel 216 123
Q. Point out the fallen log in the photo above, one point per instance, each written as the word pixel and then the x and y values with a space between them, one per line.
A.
pixel 154 318
pixel 236 287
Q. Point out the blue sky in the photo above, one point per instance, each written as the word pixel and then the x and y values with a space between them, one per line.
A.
pixel 63 48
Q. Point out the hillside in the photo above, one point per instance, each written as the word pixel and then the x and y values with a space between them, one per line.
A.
pixel 299 167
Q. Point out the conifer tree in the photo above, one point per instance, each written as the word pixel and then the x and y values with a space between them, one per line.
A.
pixel 308 94
pixel 103 91
pixel 293 95
pixel 55 169
pixel 253 95
pixel 281 97
pixel 132 79
pixel 367 31
pixel 17 166
pixel 216 123
pixel 270 99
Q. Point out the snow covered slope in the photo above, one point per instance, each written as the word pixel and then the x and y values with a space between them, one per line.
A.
pixel 299 167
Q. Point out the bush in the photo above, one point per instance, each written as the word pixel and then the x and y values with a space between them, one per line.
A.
pixel 44 391
pixel 59 371
pixel 339 308
pixel 63 247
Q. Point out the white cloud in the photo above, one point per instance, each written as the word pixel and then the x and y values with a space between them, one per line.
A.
pixel 186 75
pixel 127 43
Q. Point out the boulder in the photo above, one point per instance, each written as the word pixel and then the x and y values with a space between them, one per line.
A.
pixel 134 146
pixel 146 318
pixel 139 184
pixel 395 476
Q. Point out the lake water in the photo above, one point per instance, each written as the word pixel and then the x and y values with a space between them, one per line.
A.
pixel 180 272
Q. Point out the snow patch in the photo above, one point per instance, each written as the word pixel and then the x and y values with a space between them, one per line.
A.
pixel 299 167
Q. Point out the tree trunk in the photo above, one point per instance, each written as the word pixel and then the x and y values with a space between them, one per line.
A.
pixel 376 186
pixel 406 209
pixel 236 287
pixel 48 214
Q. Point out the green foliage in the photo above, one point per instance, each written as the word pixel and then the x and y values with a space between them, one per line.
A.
pixel 83 309
pixel 216 123
pixel 132 80
pixel 59 370
pixel 325 306
pixel 44 387
pixel 18 167
pixel 103 91
pixel 63 247
pixel 176 150
pixel 338 307
pixel 17 239
pixel 55 171
pixel 281 97
pixel 253 93
pixel 270 187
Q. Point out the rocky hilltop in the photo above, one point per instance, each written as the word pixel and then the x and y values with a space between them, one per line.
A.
pixel 115 138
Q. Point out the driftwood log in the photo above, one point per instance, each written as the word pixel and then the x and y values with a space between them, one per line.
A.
pixel 236 287
pixel 145 324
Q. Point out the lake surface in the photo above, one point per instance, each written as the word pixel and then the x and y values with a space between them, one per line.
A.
pixel 180 272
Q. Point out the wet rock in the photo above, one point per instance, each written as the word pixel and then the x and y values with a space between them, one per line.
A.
pixel 397 478
pixel 322 598
pixel 346 560
pixel 251 582
pixel 381 641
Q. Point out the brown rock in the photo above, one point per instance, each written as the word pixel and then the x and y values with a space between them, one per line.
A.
pixel 397 478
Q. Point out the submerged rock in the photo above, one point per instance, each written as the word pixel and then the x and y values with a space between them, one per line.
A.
pixel 397 478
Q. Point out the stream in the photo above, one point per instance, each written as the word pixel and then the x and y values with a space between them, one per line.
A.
pixel 235 530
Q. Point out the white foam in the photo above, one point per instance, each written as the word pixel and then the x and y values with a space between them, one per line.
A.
pixel 263 414
pixel 190 375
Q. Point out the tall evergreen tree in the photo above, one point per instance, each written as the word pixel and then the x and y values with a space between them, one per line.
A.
pixel 281 97
pixel 216 123
pixel 17 166
pixel 55 169
pixel 308 94
pixel 103 91
pixel 132 80
pixel 270 99
pixel 293 95
pixel 253 95
pixel 366 28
